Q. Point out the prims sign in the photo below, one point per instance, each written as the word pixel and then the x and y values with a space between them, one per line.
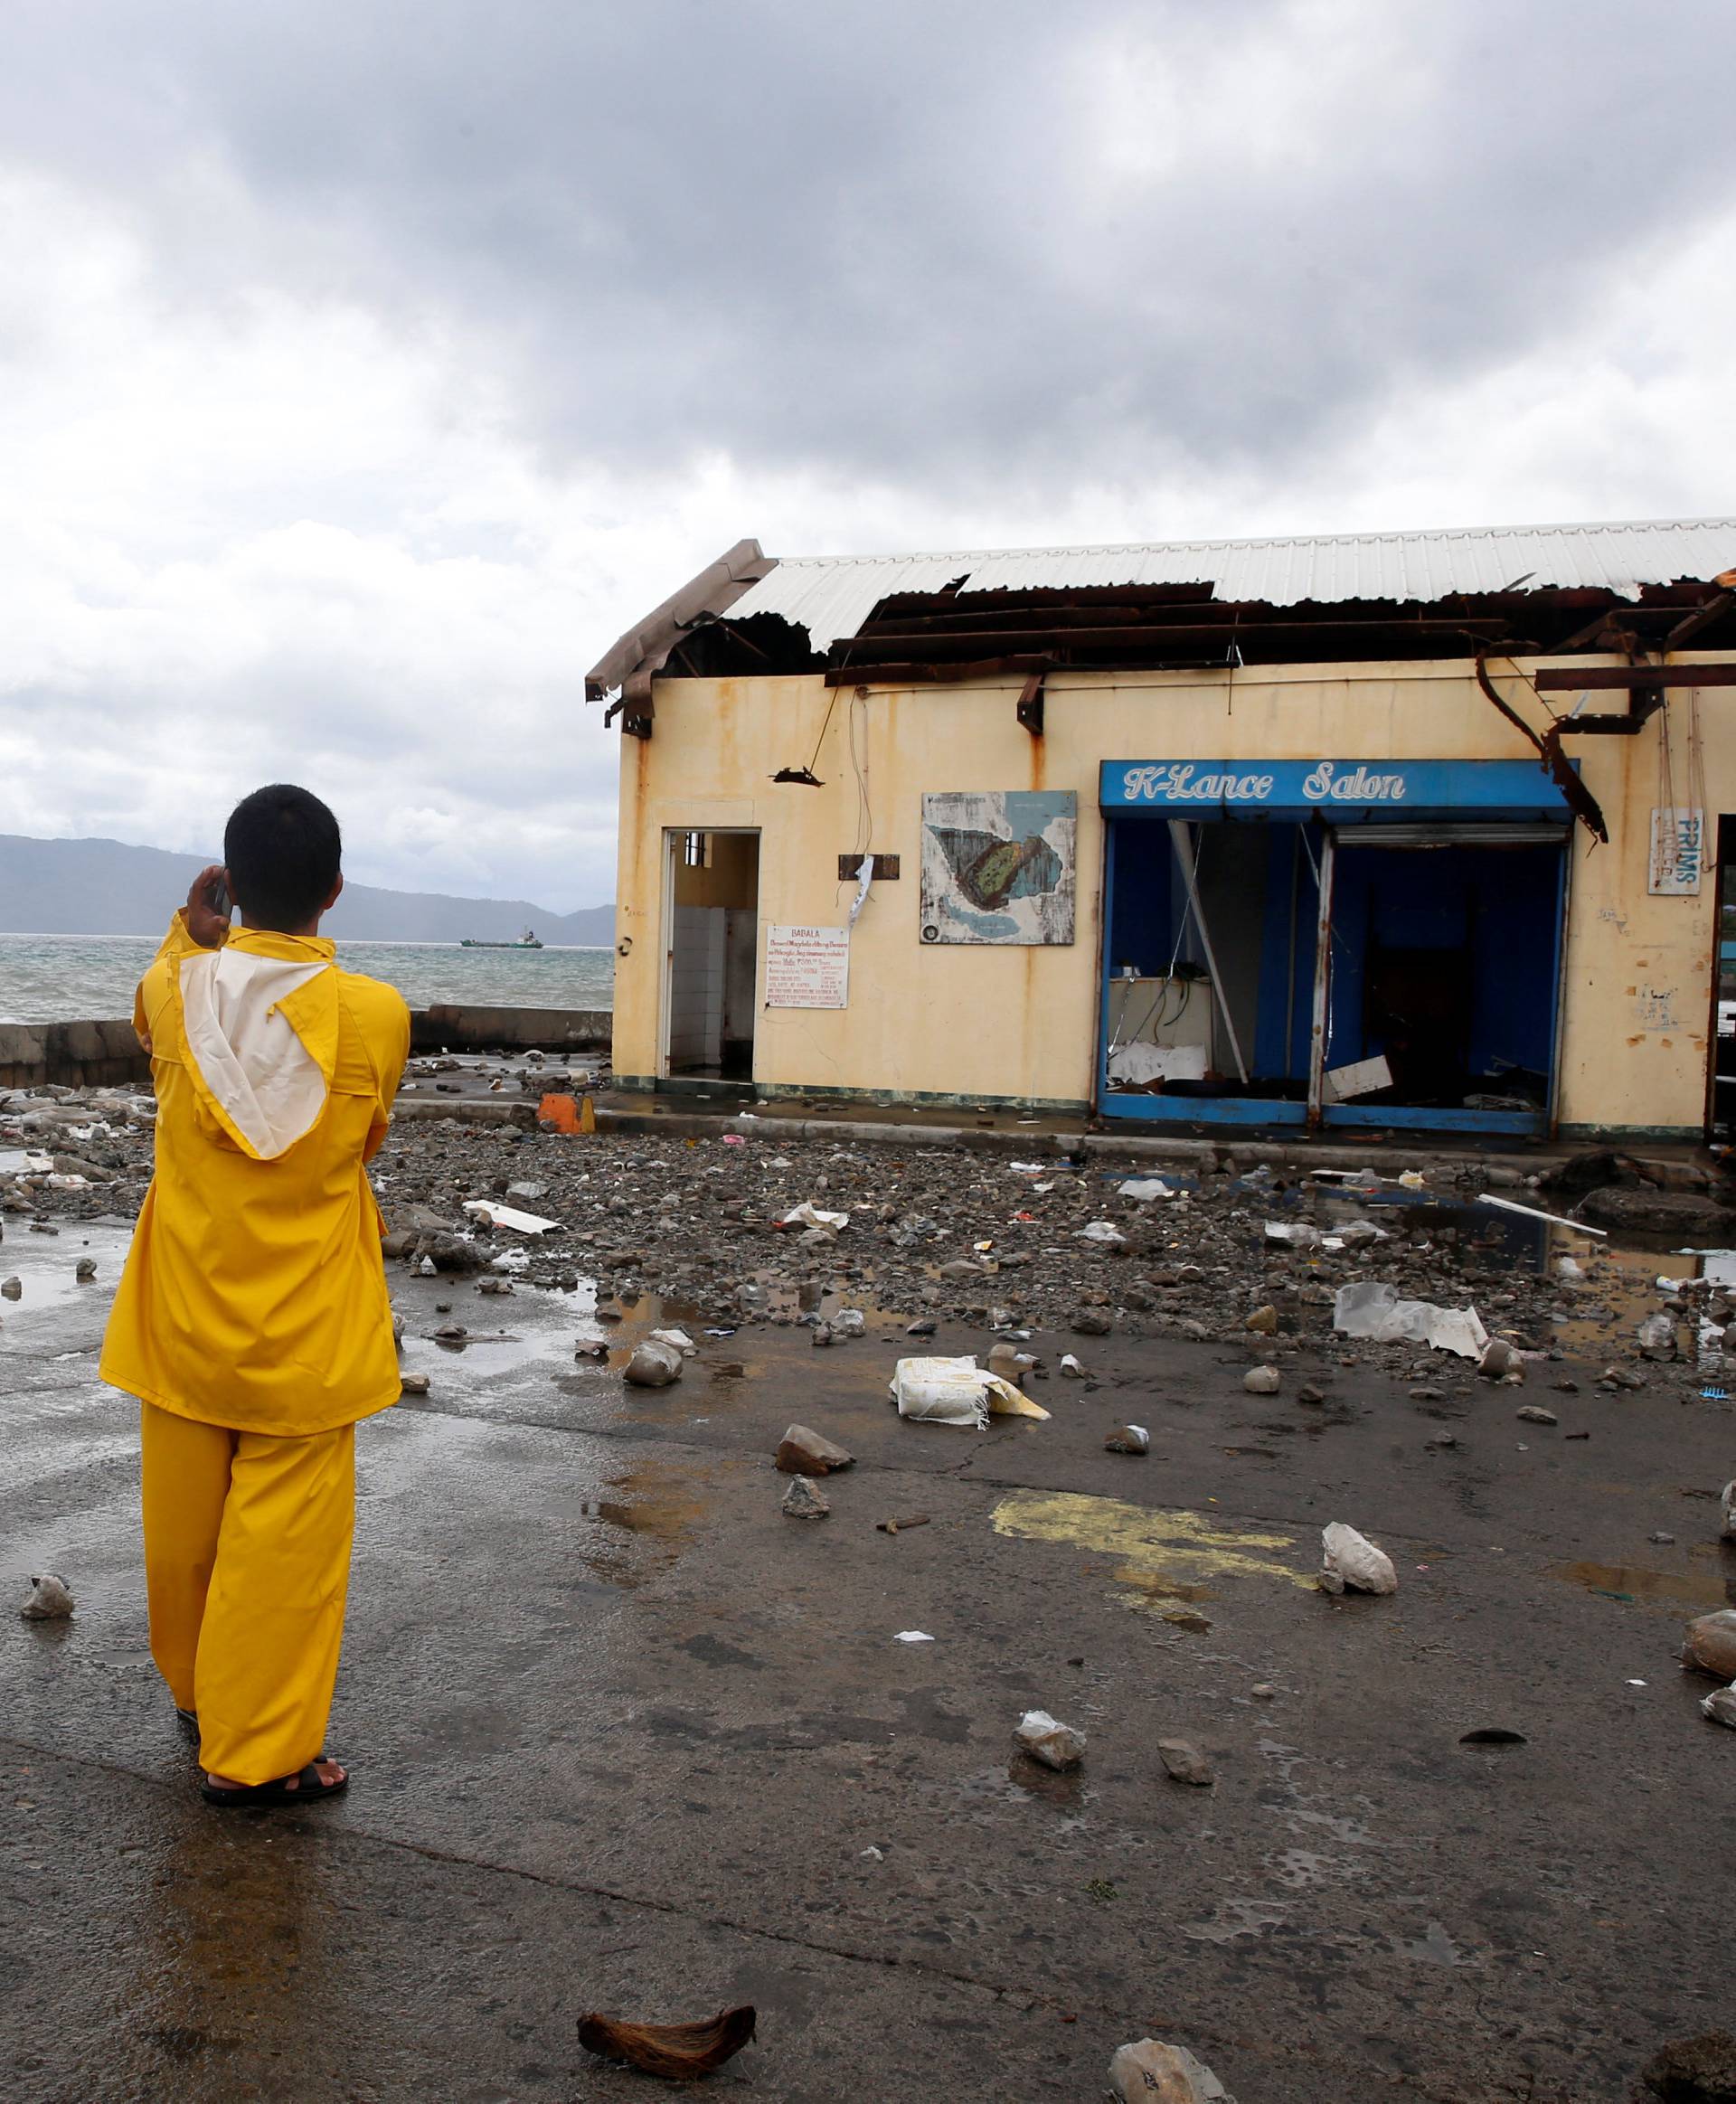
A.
pixel 1187 782
pixel 1350 788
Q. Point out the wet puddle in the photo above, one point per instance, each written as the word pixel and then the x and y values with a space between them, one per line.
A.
pixel 46 1267
pixel 1633 1582
pixel 1178 1549
pixel 643 1521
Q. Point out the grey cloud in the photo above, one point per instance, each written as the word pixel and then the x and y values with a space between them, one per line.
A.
pixel 871 237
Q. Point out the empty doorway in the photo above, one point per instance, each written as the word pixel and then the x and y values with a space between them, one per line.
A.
pixel 712 893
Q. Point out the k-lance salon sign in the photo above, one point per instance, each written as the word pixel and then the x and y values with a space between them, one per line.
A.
pixel 1344 786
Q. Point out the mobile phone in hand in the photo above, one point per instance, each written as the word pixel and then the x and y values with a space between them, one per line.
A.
pixel 217 892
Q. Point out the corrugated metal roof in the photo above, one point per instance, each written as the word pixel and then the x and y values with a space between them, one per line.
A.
pixel 833 595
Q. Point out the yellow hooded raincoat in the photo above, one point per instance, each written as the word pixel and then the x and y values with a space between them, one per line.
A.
pixel 255 1294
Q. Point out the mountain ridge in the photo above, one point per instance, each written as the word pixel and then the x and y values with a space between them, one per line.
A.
pixel 110 887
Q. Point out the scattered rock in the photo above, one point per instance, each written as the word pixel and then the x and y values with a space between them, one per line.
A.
pixel 1262 1381
pixel 1262 1691
pixel 1185 1763
pixel 1055 1744
pixel 412 1385
pixel 1534 1415
pixel 13 1289
pixel 1352 1562
pixel 50 1601
pixel 849 1322
pixel 1662 1540
pixel 1263 1320
pixel 1309 1393
pixel 1129 1440
pixel 1726 1505
pixel 654 1363
pixel 1151 2073
pixel 804 1500
pixel 1092 1322
pixel 1071 1368
pixel 85 1271
pixel 1694 2071
pixel 801 1452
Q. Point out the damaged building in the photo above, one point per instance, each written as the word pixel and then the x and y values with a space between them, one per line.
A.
pixel 1402 832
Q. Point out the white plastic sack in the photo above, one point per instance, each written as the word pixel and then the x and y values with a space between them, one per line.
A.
pixel 1143 1189
pixel 808 1214
pixel 1102 1231
pixel 1301 1234
pixel 956 1391
pixel 1352 1561
pixel 654 1363
pixel 1372 1308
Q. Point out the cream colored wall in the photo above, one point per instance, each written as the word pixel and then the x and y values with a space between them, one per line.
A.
pixel 1022 1022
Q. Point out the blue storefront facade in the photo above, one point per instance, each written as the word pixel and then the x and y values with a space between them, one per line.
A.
pixel 1332 943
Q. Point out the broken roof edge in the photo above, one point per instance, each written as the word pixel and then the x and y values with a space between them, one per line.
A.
pixel 634 658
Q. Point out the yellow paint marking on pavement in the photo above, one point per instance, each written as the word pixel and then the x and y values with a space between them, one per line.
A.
pixel 1186 1546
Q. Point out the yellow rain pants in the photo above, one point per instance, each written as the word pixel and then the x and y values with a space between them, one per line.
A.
pixel 247 1567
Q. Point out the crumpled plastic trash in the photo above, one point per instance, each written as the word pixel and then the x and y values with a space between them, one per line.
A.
pixel 1355 1234
pixel 1301 1234
pixel 1352 1562
pixel 956 1391
pixel 1372 1308
pixel 498 1215
pixel 1657 1336
pixel 1152 2072
pixel 808 1214
pixel 1721 1705
pixel 1142 1189
pixel 683 1343
pixel 1045 1738
pixel 1710 1643
pixel 1102 1231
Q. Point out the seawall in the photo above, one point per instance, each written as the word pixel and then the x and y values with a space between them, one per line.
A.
pixel 104 1054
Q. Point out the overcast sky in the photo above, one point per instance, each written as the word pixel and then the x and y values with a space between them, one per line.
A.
pixel 366 369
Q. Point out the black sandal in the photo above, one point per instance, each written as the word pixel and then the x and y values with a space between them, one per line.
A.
pixel 308 1787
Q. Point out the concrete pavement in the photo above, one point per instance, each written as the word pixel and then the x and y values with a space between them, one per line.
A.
pixel 621 1735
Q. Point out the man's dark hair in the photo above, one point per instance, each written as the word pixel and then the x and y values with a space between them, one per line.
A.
pixel 282 847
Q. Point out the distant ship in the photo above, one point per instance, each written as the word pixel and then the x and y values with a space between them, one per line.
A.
pixel 528 940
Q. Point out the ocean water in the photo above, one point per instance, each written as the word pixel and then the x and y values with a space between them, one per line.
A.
pixel 67 978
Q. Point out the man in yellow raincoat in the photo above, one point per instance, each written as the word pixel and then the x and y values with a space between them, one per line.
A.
pixel 252 1319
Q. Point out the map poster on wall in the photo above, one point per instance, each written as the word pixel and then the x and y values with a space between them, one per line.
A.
pixel 998 865
pixel 1678 848
pixel 808 968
